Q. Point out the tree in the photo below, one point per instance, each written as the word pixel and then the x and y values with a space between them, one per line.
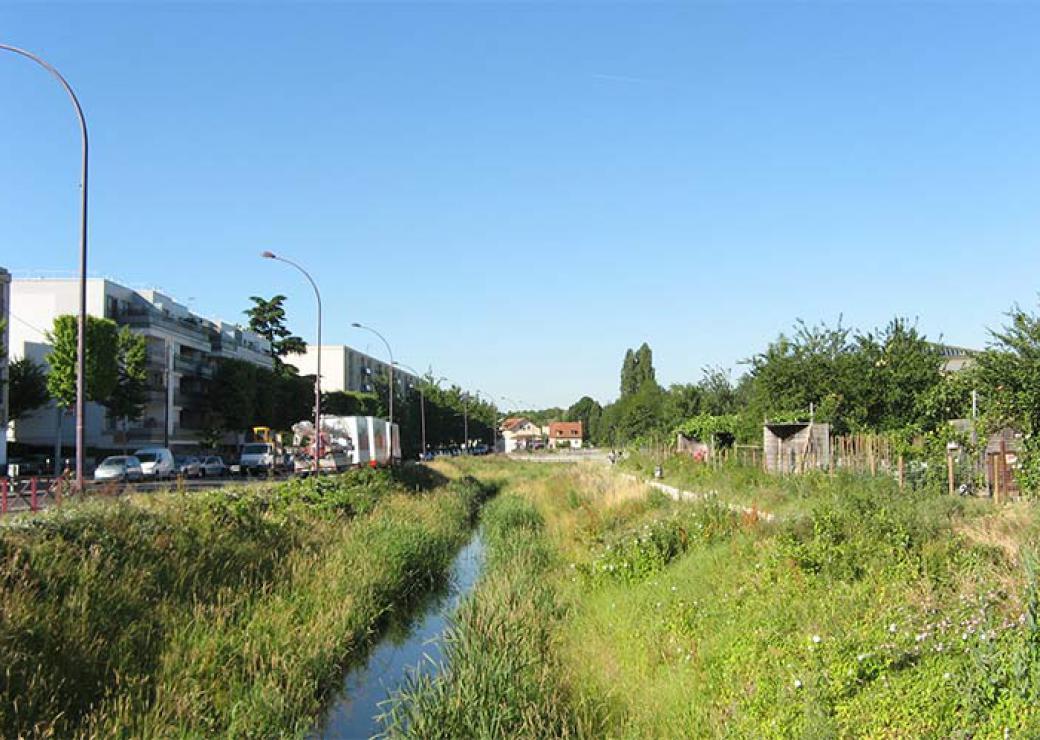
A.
pixel 127 400
pixel 349 403
pixel 644 366
pixel 100 365
pixel 629 381
pixel 27 387
pixel 1008 375
pixel 102 368
pixel 232 395
pixel 588 412
pixel 267 318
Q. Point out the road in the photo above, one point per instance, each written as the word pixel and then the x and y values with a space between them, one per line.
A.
pixel 19 499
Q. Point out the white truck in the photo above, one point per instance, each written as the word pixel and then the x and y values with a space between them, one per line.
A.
pixel 364 440
pixel 384 441
pixel 262 458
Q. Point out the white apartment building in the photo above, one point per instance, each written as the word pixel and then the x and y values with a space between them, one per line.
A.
pixel 182 352
pixel 344 368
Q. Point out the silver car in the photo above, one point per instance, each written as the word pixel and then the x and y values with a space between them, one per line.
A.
pixel 119 468
pixel 214 467
pixel 189 467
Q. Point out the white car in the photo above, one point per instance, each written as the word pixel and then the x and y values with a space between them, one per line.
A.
pixel 156 462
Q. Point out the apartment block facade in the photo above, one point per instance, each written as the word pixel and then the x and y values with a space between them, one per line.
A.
pixel 183 350
pixel 344 368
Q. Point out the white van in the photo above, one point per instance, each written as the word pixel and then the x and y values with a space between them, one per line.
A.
pixel 156 462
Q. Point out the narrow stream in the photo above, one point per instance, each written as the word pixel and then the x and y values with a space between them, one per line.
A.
pixel 401 653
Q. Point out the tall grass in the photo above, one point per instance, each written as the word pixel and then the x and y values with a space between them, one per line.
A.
pixel 227 612
pixel 864 612
pixel 503 677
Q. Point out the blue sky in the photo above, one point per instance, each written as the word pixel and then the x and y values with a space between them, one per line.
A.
pixel 516 193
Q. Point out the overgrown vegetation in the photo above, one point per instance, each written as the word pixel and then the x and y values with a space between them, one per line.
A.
pixel 231 612
pixel 862 611
pixel 503 675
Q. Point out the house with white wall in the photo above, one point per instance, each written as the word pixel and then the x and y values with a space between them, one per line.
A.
pixel 520 434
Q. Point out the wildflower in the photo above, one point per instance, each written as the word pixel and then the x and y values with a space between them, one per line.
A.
pixel 947 676
pixel 893 628
pixel 816 639
pixel 798 683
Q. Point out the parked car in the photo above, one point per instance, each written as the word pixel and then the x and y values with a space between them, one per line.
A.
pixel 214 467
pixel 156 462
pixel 189 467
pixel 119 467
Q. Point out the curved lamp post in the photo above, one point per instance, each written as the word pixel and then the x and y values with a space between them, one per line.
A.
pixel 390 352
pixel 317 375
pixel 81 331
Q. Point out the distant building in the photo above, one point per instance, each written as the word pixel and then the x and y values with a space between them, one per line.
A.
pixel 183 349
pixel 519 433
pixel 5 321
pixel 344 368
pixel 565 434
pixel 956 359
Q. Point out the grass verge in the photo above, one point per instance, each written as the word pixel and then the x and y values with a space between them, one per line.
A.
pixel 231 612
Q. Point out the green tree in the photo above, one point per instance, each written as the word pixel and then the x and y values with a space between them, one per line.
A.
pixel 101 360
pixel 349 403
pixel 894 368
pixel 629 380
pixel 127 400
pixel 27 387
pixel 267 318
pixel 641 414
pixel 1008 374
pixel 232 395
pixel 586 410
pixel 644 366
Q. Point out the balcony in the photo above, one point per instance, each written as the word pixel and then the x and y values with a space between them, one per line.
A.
pixel 195 366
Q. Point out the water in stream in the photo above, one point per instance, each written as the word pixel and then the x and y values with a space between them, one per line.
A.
pixel 413 646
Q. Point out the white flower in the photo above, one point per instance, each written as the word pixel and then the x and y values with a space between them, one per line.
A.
pixel 797 683
pixel 893 628
pixel 816 639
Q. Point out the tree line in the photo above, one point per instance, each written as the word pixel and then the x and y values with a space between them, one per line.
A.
pixel 889 379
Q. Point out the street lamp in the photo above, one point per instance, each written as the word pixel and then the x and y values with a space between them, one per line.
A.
pixel 317 375
pixel 390 352
pixel 422 405
pixel 81 330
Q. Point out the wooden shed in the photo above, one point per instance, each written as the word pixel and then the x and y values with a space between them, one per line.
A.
pixel 796 446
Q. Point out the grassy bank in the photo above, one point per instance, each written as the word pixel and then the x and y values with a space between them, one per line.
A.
pixel 864 612
pixel 504 676
pixel 231 612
